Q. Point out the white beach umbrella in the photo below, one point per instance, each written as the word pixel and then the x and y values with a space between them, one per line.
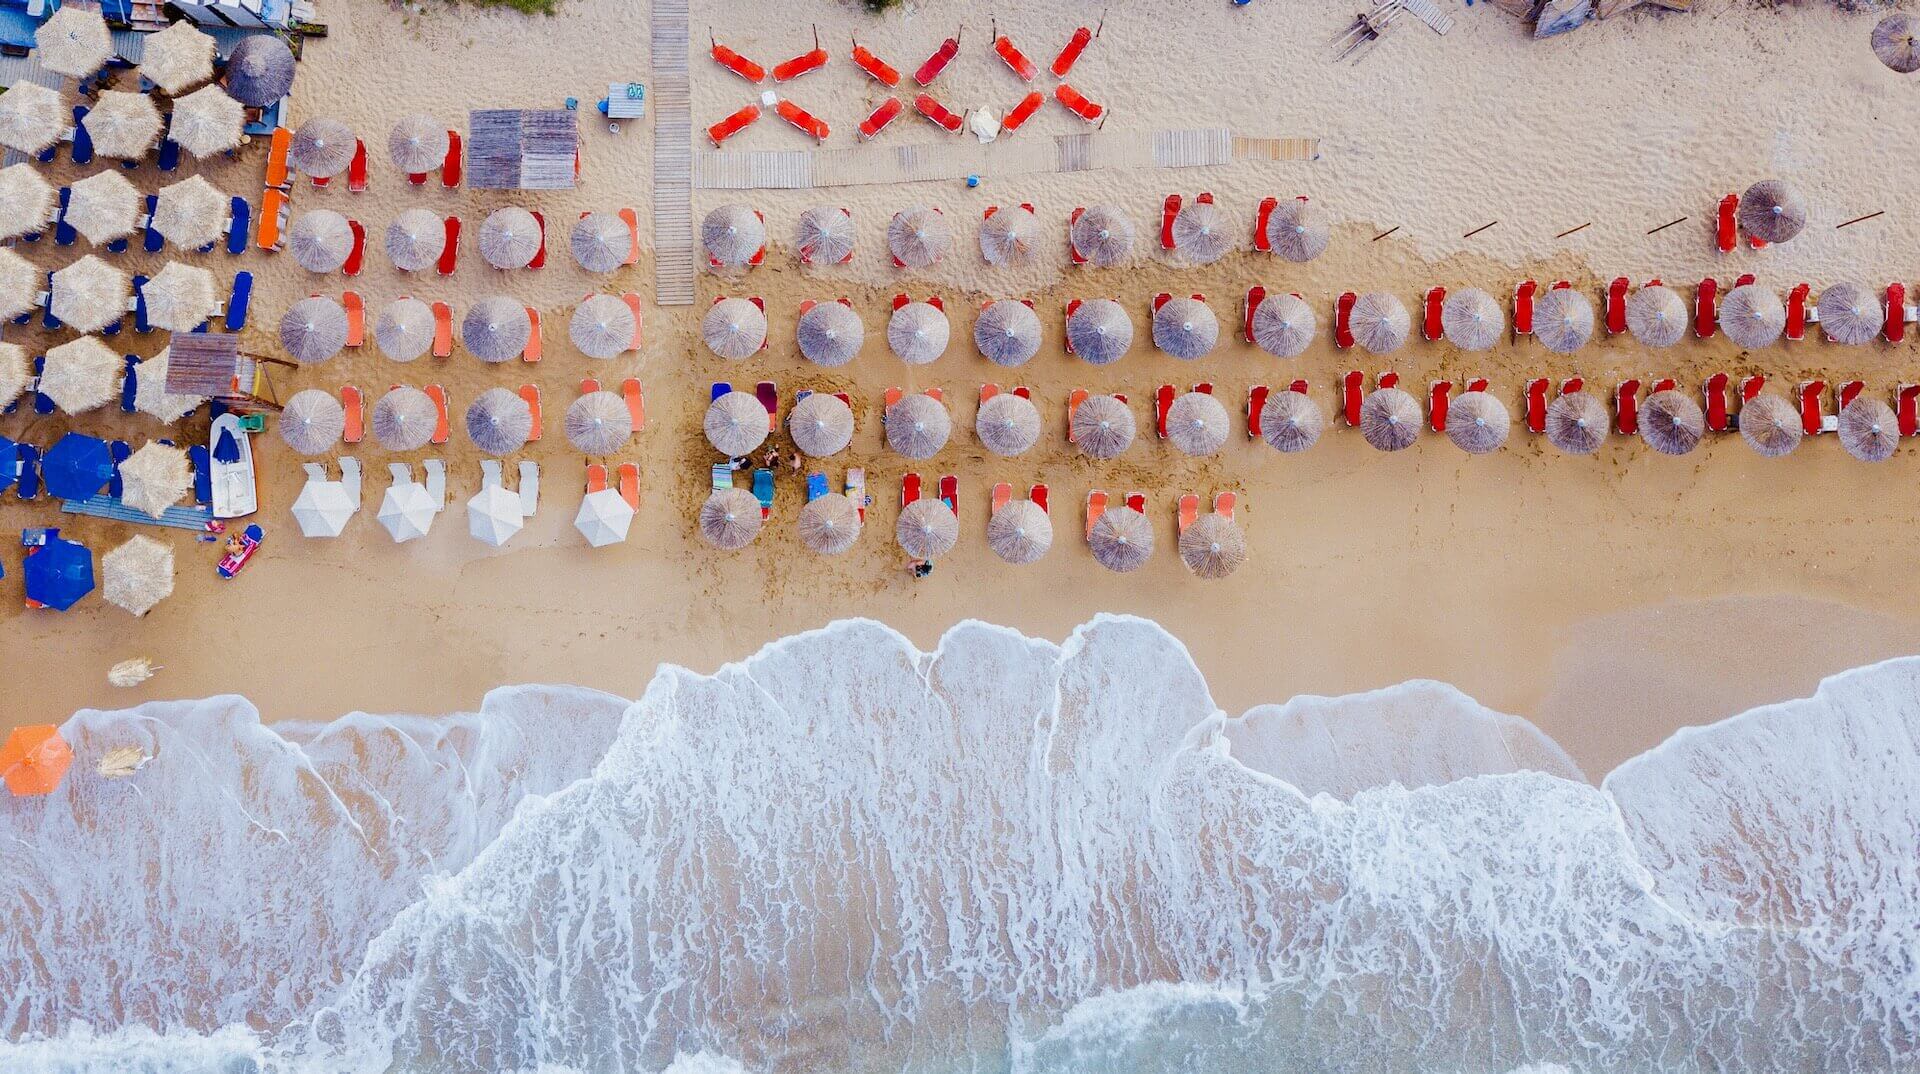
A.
pixel 1020 532
pixel 1657 316
pixel 1291 421
pixel 1563 320
pixel 826 235
pixel 604 518
pixel 1099 331
pixel 418 143
pixel 1848 314
pixel 1472 319
pixel 1007 424
pixel 407 511
pixel 730 519
pixel 919 237
pixel 602 326
pixel 736 424
pixel 820 425
pixel 1103 235
pixel 1197 424
pixel 600 242
pixel 1201 233
pixel 496 329
pixel 312 422
pixel 493 515
pixel 1379 322
pixel 1390 419
pixel 599 423
pixel 733 235
pixel 322 147
pixel 323 509
pixel 1753 316
pixel 1478 422
pixel 917 426
pixel 829 524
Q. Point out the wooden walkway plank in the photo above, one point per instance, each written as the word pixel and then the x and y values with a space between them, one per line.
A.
pixel 672 156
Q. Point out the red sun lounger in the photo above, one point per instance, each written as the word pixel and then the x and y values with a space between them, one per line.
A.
pixel 735 122
pixel 1714 395
pixel 876 68
pixel 1015 60
pixel 1432 325
pixel 1523 307
pixel 1342 317
pixel 802 64
pixel 1437 394
pixel 1536 400
pixel 735 62
pixel 1017 117
pixel 1812 416
pixel 938 62
pixel 940 115
pixel 1078 104
pixel 1796 328
pixel 1706 309
pixel 806 121
pixel 880 117
pixel 1077 44
pixel 1353 390
pixel 1626 405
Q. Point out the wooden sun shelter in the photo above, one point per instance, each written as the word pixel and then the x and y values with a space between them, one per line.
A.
pixel 211 366
pixel 522 149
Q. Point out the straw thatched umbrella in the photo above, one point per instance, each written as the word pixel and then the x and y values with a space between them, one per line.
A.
pixel 1576 423
pixel 1007 332
pixel 418 144
pixel 820 425
pixel 415 240
pixel 260 70
pixel 599 423
pixel 1657 316
pixel 404 329
pixel 1007 424
pixel 928 529
pixel 917 426
pixel 1283 325
pixel 191 213
pixel 103 207
pixel 138 574
pixel 314 329
pixel 1472 319
pixel 1772 211
pixel 496 329
pixel 601 242
pixel 1849 314
pixel 27 201
pixel 1103 235
pixel 918 332
pixel 826 235
pixel 1197 424
pixel 1390 419
pixel 151 397
pixel 918 237
pixel 499 421
pixel 735 424
pixel 1379 322
pixel 1102 426
pixel 733 235
pixel 1478 423
pixel 1201 234
pixel 321 240
pixel 20 284
pixel 1213 546
pixel 829 524
pixel 1868 430
pixel 604 518
pixel 32 117
pixel 1007 237
pixel 1896 40
pixel 14 372
pixel 1770 425
pixel 207 121
pixel 730 519
pixel 1752 315
pixel 1185 328
pixel 1297 231
pixel 154 478
pixel 404 419
pixel 830 334
pixel 602 326
pixel 322 147
pixel 74 42
pixel 1099 331
pixel 178 58
pixel 734 328
pixel 1291 421
pixel 89 295
pixel 1671 423
pixel 1563 320
pixel 509 238
pixel 1122 540
pixel 123 125
pixel 312 422
pixel 180 297
pixel 1020 532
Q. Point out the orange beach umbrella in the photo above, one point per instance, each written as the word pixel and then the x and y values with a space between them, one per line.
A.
pixel 34 760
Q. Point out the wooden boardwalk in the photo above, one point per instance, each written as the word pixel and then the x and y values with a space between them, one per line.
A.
pixel 673 270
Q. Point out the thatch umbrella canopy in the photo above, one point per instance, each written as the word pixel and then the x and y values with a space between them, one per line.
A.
pixel 178 58
pixel 499 421
pixel 1185 328
pixel 1103 426
pixel 1103 235
pixel 1213 546
pixel 415 240
pixel 1283 325
pixel 918 332
pixel 917 426
pixel 1122 540
pixel 1577 423
pixel 180 297
pixel 1671 423
pixel 1657 316
pixel 1753 316
pixel 103 207
pixel 154 478
pixel 1291 421
pixel 830 334
pixel 928 529
pixel 1201 234
pixel 417 144
pixel 313 422
pixel 404 329
pixel 14 372
pixel 919 237
pixel 496 329
pixel 1478 423
pixel 730 519
pixel 1007 332
pixel 1100 331
pixel 322 147
pixel 191 213
pixel 260 70
pixel 509 238
pixel 89 295
pixel 207 121
pixel 138 574
pixel 404 419
pixel 1868 430
pixel 1379 322
pixel 28 202
pixel 1007 424
pixel 1007 237
pixel 123 125
pixel 20 284
pixel 321 240
pixel 1772 210
pixel 74 42
pixel 1896 40
pixel 829 524
pixel 1020 532
pixel 736 424
pixel 1849 314
pixel 32 117
pixel 733 234
pixel 1197 424
pixel 602 326
pixel 826 235
pixel 1390 419
pixel 1563 320
pixel 1297 231
pixel 600 242
pixel 314 329
pixel 1472 319
pixel 820 425
pixel 599 423
pixel 1770 425
pixel 734 328
pixel 151 397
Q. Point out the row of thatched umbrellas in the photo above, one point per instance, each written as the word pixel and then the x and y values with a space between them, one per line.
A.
pixel 498 421
pixel 495 329
pixel 91 294
pixel 105 207
pixel 510 238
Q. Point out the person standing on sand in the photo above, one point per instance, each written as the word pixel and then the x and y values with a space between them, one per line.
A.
pixel 793 462
pixel 920 568
pixel 771 460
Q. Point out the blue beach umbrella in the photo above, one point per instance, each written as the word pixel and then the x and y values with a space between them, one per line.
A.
pixel 226 448
pixel 59 574
pixel 77 466
pixel 9 462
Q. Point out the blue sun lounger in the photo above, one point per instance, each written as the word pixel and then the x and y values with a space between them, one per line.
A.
pixel 29 476
pixel 237 305
pixel 150 238
pixel 816 486
pixel 63 233
pixel 237 234
pixel 130 384
pixel 763 490
pixel 82 141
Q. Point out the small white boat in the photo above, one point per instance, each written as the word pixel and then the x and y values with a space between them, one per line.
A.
pixel 236 487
